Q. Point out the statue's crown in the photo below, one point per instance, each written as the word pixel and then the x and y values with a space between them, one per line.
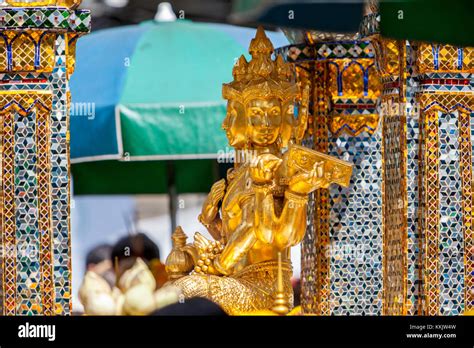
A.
pixel 262 76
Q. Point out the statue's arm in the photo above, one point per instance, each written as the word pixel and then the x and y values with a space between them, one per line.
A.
pixel 286 230
pixel 264 213
pixel 238 245
pixel 290 226
pixel 209 216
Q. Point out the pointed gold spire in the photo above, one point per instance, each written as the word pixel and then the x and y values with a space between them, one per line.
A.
pixel 282 69
pixel 240 68
pixel 280 304
pixel 179 237
pixel 260 44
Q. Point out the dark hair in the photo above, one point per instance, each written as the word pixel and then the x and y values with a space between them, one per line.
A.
pixel 192 306
pixel 296 292
pixel 98 254
pixel 139 245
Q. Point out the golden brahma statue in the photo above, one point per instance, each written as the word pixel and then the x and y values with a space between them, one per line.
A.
pixel 259 210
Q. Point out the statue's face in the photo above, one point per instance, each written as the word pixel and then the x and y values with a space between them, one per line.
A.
pixel 263 120
pixel 234 124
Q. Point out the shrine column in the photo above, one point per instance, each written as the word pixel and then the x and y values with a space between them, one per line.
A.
pixel 37 49
pixel 342 251
pixel 391 65
pixel 445 94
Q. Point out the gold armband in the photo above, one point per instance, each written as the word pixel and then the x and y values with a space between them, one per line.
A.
pixel 264 188
pixel 295 197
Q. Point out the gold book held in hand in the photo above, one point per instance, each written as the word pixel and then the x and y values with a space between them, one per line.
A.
pixel 304 159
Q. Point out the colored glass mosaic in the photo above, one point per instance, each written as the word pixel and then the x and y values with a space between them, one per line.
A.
pixel 34 102
pixel 45 18
pixel 422 188
pixel 356 228
pixel 60 181
pixel 28 294
pixel 413 191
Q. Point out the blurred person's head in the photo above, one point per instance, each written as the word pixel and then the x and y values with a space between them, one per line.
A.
pixel 135 245
pixel 98 261
pixel 131 247
pixel 192 306
pixel 98 255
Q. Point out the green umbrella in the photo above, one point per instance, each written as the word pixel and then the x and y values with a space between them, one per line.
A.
pixel 155 106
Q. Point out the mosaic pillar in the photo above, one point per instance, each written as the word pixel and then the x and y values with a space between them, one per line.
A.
pixel 37 49
pixel 315 259
pixel 310 74
pixel 445 94
pixel 391 59
pixel 408 213
pixel 413 186
pixel 342 251
pixel 428 244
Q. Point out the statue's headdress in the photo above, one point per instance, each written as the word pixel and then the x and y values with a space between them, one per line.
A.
pixel 262 76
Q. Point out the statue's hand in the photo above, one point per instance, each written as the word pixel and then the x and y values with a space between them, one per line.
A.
pixel 207 251
pixel 210 206
pixel 263 169
pixel 306 182
pixel 217 192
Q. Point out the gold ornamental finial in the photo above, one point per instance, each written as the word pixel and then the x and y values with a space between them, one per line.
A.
pixel 280 305
pixel 261 44
pixel 240 69
pixel 179 262
pixel 283 70
pixel 261 49
pixel 179 237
